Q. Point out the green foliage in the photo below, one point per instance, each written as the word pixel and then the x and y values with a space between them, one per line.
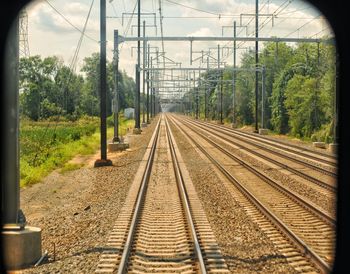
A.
pixel 45 146
pixel 49 88
pixel 299 90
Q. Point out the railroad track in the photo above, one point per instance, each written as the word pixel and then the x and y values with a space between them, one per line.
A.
pixel 302 233
pixel 308 173
pixel 162 227
pixel 318 156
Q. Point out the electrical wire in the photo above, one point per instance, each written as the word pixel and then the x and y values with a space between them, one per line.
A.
pixel 57 11
pixel 308 22
pixel 192 8
pixel 161 30
pixel 128 25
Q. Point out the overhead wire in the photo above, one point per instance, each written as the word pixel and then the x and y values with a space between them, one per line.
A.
pixel 126 30
pixel 278 10
pixel 161 29
pixel 75 27
pixel 308 22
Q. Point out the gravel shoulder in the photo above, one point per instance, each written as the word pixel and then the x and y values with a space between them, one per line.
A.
pixel 76 210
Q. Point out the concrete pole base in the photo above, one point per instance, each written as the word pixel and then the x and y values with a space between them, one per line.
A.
pixel 143 125
pixel 319 144
pixel 21 248
pixel 263 131
pixel 136 131
pixel 333 148
pixel 117 146
pixel 102 162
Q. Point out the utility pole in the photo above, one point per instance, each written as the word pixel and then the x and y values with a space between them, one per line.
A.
pixel 196 93
pixel 147 83
pixel 333 147
pixel 234 77
pixel 256 62
pixel 262 97
pixel 116 92
pixel 137 129
pixel 207 91
pixel 143 75
pixel 103 88
pixel 151 95
pixel 220 83
pixel 20 244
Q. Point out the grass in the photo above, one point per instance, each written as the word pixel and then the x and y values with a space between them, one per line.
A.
pixel 46 146
pixel 70 167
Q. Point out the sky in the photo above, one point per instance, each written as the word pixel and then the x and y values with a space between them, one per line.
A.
pixel 50 34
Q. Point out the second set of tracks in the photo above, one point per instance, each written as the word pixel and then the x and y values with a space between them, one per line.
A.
pixel 303 233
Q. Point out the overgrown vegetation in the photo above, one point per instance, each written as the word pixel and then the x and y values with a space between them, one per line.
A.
pixel 47 145
pixel 58 110
pixel 299 90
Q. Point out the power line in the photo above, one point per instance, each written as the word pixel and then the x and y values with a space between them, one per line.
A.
pixel 326 28
pixel 192 8
pixel 70 22
pixel 161 29
pixel 128 25
pixel 308 22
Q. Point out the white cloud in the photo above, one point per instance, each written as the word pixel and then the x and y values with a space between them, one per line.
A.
pixel 202 32
pixel 50 34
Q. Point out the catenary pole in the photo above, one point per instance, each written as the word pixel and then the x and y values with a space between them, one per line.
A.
pixel 256 62
pixel 263 97
pixel 143 72
pixel 147 84
pixel 137 97
pixel 10 131
pixel 151 95
pixel 103 79
pixel 220 83
pixel 116 91
pixel 234 75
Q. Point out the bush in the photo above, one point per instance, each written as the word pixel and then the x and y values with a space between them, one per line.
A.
pixel 325 134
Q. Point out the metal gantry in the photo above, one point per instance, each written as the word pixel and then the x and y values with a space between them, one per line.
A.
pixel 152 69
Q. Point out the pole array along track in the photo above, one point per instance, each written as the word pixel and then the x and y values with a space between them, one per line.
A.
pixel 152 70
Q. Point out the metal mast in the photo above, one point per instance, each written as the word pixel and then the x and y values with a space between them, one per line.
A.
pixel 23 34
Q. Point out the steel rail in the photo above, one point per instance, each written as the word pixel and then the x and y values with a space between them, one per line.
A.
pixel 319 169
pixel 315 211
pixel 140 197
pixel 283 144
pixel 185 200
pixel 301 245
pixel 293 170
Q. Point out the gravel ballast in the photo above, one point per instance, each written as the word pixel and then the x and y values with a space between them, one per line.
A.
pixel 244 246
pixel 77 209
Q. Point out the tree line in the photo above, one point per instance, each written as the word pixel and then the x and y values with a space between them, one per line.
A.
pixel 299 90
pixel 49 88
